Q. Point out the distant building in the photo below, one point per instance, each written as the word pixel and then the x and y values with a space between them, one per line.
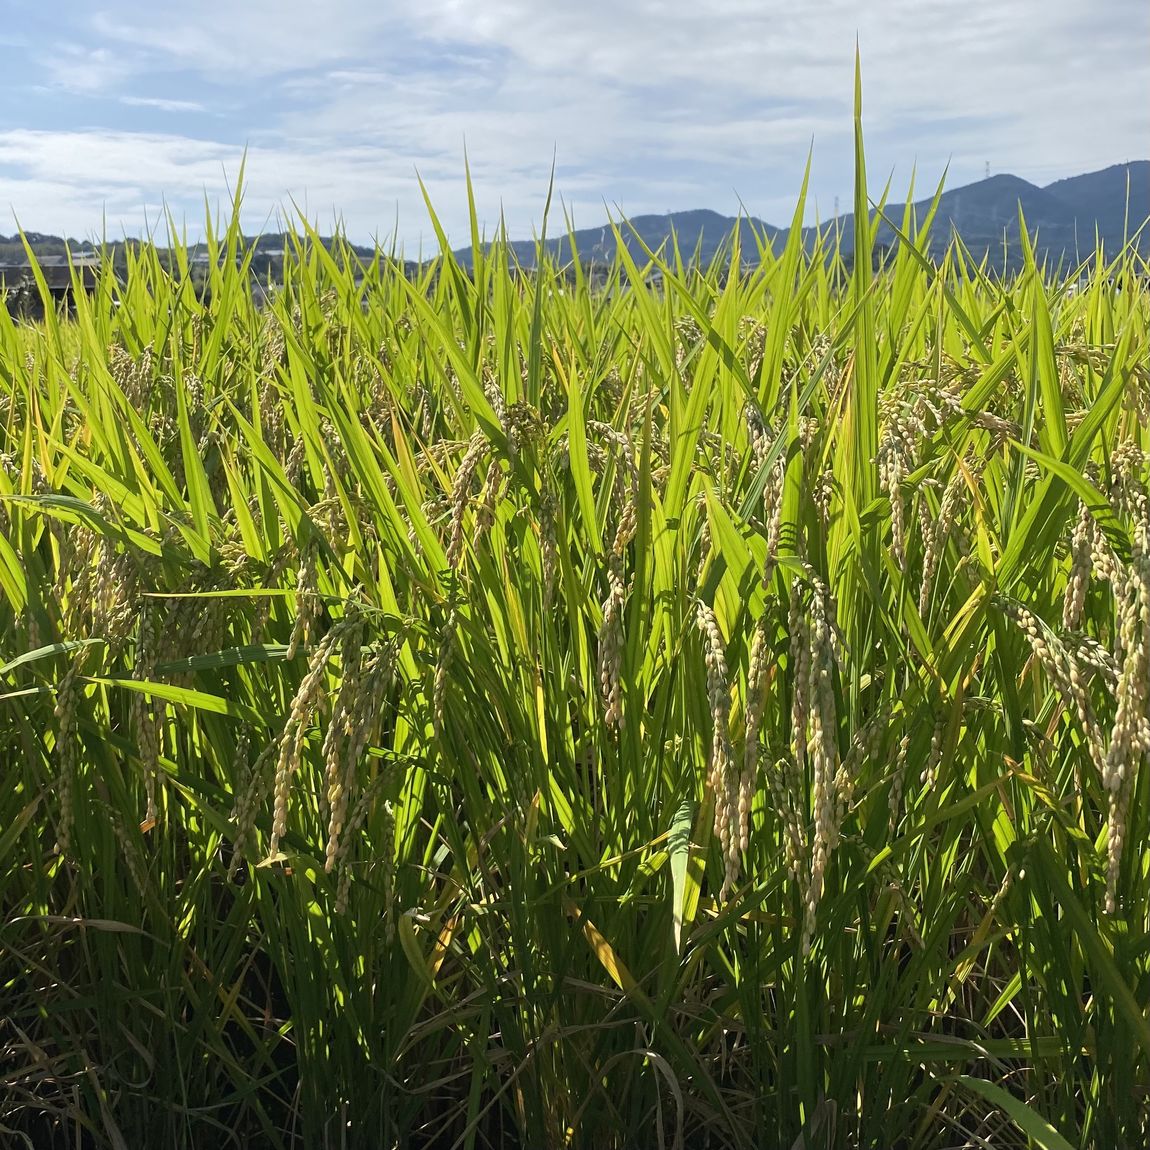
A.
pixel 20 291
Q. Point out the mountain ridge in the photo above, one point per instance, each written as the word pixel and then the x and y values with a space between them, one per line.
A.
pixel 1063 218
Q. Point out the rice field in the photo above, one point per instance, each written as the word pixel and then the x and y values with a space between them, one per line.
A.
pixel 486 710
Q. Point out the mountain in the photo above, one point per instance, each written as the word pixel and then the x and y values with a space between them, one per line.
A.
pixel 1061 218
pixel 1104 194
pixel 700 227
pixel 986 216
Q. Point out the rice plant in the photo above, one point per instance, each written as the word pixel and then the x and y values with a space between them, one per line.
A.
pixel 485 709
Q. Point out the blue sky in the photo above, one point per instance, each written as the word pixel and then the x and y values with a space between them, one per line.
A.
pixel 110 110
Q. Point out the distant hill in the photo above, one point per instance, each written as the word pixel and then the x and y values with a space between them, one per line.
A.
pixel 1062 217
pixel 699 228
pixel 266 252
pixel 985 215
pixel 1103 195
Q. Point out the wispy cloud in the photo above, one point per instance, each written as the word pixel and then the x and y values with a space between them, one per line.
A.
pixel 162 104
pixel 258 38
pixel 125 178
pixel 83 69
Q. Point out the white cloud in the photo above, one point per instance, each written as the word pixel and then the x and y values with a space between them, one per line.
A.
pixel 159 103
pixel 255 38
pixel 652 104
pixel 77 179
pixel 83 69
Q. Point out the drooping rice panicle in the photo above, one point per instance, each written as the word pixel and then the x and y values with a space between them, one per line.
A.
pixel 722 682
